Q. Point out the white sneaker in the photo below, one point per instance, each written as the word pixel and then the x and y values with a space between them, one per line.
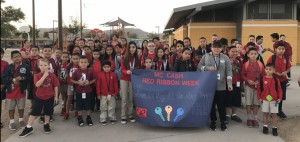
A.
pixel 132 120
pixel 123 121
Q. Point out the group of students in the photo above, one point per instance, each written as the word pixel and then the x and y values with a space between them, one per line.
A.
pixel 90 75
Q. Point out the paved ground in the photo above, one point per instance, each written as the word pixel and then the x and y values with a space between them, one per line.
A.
pixel 136 132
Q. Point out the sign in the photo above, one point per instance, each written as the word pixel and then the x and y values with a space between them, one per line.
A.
pixel 173 99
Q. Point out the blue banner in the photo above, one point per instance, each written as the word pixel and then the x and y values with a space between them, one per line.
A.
pixel 173 99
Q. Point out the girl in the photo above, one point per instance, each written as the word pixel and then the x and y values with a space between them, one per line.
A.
pixel 25 49
pixel 178 53
pixel 148 63
pixel 144 46
pixel 128 63
pixel 77 50
pixel 110 55
pixel 174 42
pixel 167 53
pixel 114 40
pixel 184 63
pixel 160 62
pixel 76 41
pixel 124 45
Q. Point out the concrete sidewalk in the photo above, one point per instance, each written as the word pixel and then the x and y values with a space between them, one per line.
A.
pixel 136 132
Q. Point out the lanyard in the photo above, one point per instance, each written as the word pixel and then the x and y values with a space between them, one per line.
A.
pixel 203 52
pixel 165 64
pixel 255 73
pixel 269 86
pixel 132 65
pixel 107 82
pixel 217 65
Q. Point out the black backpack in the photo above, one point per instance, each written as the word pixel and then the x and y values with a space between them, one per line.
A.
pixel 274 60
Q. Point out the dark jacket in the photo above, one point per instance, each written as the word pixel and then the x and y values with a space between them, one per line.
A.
pixel 23 70
pixel 183 66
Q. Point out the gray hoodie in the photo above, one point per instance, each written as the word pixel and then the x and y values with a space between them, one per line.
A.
pixel 223 63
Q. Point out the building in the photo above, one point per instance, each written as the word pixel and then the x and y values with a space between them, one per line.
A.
pixel 238 19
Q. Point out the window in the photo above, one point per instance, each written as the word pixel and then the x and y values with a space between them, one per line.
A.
pixel 298 12
pixel 204 16
pixel 281 9
pixel 225 15
pixel 258 9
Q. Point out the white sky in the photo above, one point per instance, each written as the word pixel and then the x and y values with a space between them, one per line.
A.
pixel 145 14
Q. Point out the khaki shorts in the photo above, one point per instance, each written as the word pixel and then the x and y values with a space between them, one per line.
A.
pixel 63 88
pixel 269 107
pixel 10 104
pixel 251 96
pixel 70 90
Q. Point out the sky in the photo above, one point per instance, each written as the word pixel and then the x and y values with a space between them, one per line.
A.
pixel 145 14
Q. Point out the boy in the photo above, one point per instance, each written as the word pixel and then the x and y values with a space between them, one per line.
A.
pixel 107 90
pixel 57 57
pixel 91 44
pixel 188 44
pixel 177 54
pixel 197 57
pixel 46 95
pixel 62 75
pixel 32 62
pixel 282 67
pixel 15 77
pixel 83 80
pixel 270 94
pixel 251 72
pixel 4 64
pixel 88 53
pixel 203 47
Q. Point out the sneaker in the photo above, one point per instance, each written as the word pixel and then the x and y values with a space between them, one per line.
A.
pixel 42 119
pixel 51 119
pixel 63 111
pixel 76 114
pixel 66 116
pixel 22 124
pixel 255 123
pixel 274 132
pixel 281 115
pixel 265 130
pixel 236 118
pixel 80 121
pixel 113 122
pixel 213 126
pixel 249 123
pixel 288 84
pixel 26 132
pixel 12 126
pixel 104 123
pixel 227 119
pixel 223 126
pixel 132 120
pixel 47 129
pixel 123 121
pixel 89 121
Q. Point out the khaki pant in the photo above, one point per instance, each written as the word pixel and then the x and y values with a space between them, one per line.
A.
pixel 269 107
pixel 127 99
pixel 11 104
pixel 107 107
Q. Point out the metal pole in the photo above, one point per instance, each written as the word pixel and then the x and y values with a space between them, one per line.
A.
pixel 33 22
pixel 80 19
pixel 53 34
pixel 60 38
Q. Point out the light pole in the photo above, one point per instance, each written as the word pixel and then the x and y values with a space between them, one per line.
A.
pixel 60 38
pixel 53 32
pixel 33 22
pixel 157 30
pixel 80 19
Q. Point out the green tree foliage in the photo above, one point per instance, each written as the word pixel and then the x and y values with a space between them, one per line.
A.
pixel 74 26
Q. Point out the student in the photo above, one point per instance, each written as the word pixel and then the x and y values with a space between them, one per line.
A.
pixel 96 68
pixel 233 99
pixel 15 77
pixel 118 61
pixel 188 44
pixel 107 90
pixel 178 53
pixel 252 45
pixel 144 46
pixel 102 53
pixel 203 47
pixel 251 38
pixel 83 80
pixel 167 53
pixel 197 57
pixel 224 43
pixel 4 64
pixel 214 38
pixel 220 63
pixel 184 63
pixel 32 62
pixel 128 62
pixel 46 97
pixel 104 44
pixel 140 52
pixel 62 76
pixel 25 49
pixel 240 56
pixel 148 63
pixel 88 53
pixel 114 40
pixel 72 67
pixel 57 57
pixel 252 70
pixel 174 42
pixel 91 44
pixel 76 50
pixel 81 44
pixel 269 94
pixel 282 67
pixel 151 52
pixel 124 45
pixel 110 55
pixel 97 44
pixel 160 62
pixel 234 42
pixel 172 51
pixel 47 52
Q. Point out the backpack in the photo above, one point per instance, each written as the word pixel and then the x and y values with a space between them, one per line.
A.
pixel 262 86
pixel 274 60
pixel 261 66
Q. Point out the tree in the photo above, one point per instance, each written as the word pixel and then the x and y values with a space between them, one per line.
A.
pixel 46 35
pixel 74 26
pixel 152 35
pixel 25 35
pixel 10 14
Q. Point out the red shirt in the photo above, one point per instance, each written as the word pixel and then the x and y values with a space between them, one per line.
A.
pixel 62 72
pixel 151 56
pixel 34 62
pixel 124 75
pixel 96 67
pixel 46 90
pixel 112 61
pixel 71 71
pixel 83 75
pixel 252 72
pixel 280 66
pixel 107 83
pixel 4 64
pixel 196 62
pixel 89 57
pixel 269 89
pixel 16 91
pixel 236 70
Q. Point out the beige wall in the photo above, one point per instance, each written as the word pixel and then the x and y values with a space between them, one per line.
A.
pixel 181 32
pixel 265 28
pixel 197 30
pixel 297 51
